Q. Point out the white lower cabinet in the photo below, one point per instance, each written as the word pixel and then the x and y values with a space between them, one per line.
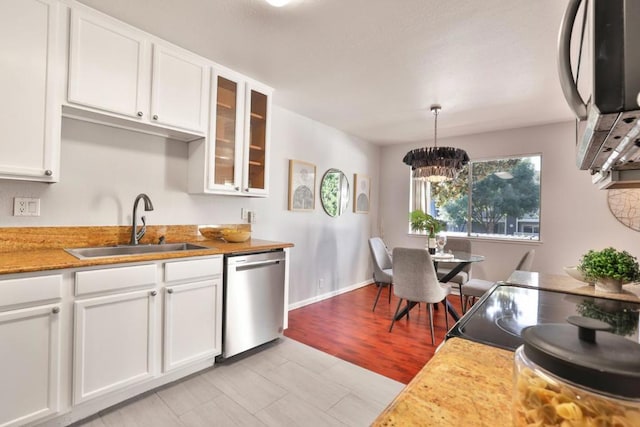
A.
pixel 30 355
pixel 113 342
pixel 192 322
pixel 29 348
pixel 114 329
pixel 192 311
pixel 74 343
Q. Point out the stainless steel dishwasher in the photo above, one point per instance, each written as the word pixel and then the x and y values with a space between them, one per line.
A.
pixel 253 300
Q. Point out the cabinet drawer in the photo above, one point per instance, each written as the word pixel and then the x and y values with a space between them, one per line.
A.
pixel 192 269
pixel 88 282
pixel 30 289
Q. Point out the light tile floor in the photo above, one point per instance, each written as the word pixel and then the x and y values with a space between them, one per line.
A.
pixel 286 383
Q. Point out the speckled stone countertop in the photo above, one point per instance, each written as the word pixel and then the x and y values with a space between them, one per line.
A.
pixel 31 249
pixel 464 384
pixel 470 384
pixel 564 283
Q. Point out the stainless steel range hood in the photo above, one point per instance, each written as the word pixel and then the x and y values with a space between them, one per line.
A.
pixel 610 149
pixel 608 134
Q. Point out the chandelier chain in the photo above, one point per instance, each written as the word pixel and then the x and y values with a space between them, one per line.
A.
pixel 435 130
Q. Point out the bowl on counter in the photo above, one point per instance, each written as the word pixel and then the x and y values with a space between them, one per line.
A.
pixel 574 272
pixel 213 232
pixel 236 236
pixel 228 232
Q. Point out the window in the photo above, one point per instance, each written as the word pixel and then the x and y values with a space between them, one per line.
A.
pixel 497 198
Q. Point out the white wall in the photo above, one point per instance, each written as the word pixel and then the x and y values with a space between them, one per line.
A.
pixel 575 215
pixel 104 168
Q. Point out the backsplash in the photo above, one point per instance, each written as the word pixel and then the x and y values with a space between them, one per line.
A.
pixel 25 238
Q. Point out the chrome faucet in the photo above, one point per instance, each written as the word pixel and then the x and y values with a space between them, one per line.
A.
pixel 148 206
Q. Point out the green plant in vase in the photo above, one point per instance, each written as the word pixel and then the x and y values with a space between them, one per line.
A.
pixel 421 221
pixel 609 268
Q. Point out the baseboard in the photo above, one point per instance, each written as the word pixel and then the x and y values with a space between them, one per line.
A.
pixel 328 295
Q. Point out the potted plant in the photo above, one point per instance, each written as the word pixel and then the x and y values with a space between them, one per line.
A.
pixel 421 221
pixel 609 268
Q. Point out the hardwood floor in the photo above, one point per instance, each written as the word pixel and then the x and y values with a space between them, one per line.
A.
pixel 345 326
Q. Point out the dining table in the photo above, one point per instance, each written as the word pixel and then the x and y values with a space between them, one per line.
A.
pixel 460 259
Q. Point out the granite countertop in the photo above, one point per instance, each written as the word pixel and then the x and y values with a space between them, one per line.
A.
pixel 34 249
pixel 564 283
pixel 470 384
pixel 464 384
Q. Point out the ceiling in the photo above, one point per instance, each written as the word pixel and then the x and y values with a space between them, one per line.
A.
pixel 372 68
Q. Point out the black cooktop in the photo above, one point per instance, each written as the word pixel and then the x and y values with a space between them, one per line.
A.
pixel 499 318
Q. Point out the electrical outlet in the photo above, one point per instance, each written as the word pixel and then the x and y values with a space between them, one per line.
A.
pixel 26 206
pixel 243 213
pixel 251 217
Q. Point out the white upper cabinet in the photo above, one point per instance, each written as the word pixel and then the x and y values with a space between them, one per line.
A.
pixel 180 89
pixel 257 139
pixel 29 84
pixel 112 69
pixel 237 147
pixel 225 132
pixel 108 66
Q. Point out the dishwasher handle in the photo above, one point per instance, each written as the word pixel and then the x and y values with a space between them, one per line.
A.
pixel 247 265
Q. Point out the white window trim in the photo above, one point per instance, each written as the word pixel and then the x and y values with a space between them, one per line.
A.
pixel 468 234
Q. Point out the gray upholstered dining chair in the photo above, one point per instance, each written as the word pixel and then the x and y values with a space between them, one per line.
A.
pixel 382 267
pixel 476 288
pixel 415 280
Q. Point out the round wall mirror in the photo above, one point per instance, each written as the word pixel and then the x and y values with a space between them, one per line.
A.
pixel 334 192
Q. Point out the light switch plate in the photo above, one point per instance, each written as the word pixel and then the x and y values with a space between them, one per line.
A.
pixel 26 206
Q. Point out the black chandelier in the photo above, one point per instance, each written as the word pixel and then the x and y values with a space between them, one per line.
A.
pixel 436 164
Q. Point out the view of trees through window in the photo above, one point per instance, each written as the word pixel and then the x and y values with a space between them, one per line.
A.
pixel 491 198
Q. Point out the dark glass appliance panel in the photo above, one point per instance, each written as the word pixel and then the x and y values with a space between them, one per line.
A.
pixel 498 319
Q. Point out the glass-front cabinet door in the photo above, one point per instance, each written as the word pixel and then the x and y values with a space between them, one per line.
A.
pixel 237 146
pixel 256 165
pixel 227 128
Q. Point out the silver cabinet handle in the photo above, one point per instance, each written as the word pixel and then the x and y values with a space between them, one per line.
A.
pixel 154 293
pixel 246 189
pixel 237 188
pixel 169 291
pixel 139 113
pixel 55 310
pixel 155 117
pixel 48 172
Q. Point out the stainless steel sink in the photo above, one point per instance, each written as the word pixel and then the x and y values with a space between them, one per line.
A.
pixel 115 251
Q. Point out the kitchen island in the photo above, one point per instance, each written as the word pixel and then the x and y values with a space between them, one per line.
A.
pixel 465 384
pixel 470 384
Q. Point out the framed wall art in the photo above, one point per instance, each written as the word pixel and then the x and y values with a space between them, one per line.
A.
pixel 302 186
pixel 361 192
